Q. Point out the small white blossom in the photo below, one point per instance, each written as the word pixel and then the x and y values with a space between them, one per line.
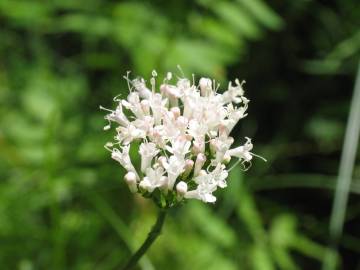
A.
pixel 147 152
pixel 124 158
pixel 242 152
pixel 183 132
pixel 174 167
pixel 129 133
pixel 154 178
pixel 206 186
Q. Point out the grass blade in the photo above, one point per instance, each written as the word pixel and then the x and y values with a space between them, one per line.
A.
pixel 346 168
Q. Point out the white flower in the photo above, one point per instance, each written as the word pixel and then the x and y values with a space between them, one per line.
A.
pixel 133 104
pixel 124 158
pixel 183 130
pixel 191 101
pixel 242 152
pixel 157 104
pixel 205 86
pixel 233 116
pixel 234 93
pixel 219 146
pixel 140 86
pixel 153 179
pixel 179 147
pixel 127 134
pixel 174 167
pixel 172 93
pixel 206 186
pixel 220 174
pixel 146 124
pixel 117 116
pixel 147 152
pixel 197 129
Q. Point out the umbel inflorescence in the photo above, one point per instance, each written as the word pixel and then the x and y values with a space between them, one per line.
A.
pixel 181 133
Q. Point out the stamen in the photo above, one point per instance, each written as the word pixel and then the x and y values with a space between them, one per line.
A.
pixel 258 157
pixel 246 168
pixel 116 98
pixel 128 80
pixel 181 71
pixel 152 82
pixel 235 164
pixel 105 109
pixel 108 145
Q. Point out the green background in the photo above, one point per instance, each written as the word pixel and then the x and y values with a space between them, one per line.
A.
pixel 63 202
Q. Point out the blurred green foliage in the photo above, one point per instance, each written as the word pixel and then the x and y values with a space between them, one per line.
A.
pixel 63 204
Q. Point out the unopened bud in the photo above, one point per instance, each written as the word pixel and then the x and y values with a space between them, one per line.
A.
pixel 181 188
pixel 164 183
pixel 226 158
pixel 199 163
pixel 213 146
pixel 130 179
pixel 188 168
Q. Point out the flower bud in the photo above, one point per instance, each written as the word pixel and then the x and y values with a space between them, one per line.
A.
pixel 199 163
pixel 188 168
pixel 130 179
pixel 226 158
pixel 176 111
pixel 164 183
pixel 181 188
pixel 213 146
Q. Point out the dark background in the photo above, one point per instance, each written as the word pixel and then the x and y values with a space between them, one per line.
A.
pixel 63 203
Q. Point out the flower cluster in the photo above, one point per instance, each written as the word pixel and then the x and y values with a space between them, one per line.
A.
pixel 182 135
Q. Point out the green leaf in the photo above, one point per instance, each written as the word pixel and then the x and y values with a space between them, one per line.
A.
pixel 238 19
pixel 217 31
pixel 263 13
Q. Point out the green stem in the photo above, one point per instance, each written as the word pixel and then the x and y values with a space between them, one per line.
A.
pixel 153 234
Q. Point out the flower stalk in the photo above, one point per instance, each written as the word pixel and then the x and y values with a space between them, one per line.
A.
pixel 153 234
